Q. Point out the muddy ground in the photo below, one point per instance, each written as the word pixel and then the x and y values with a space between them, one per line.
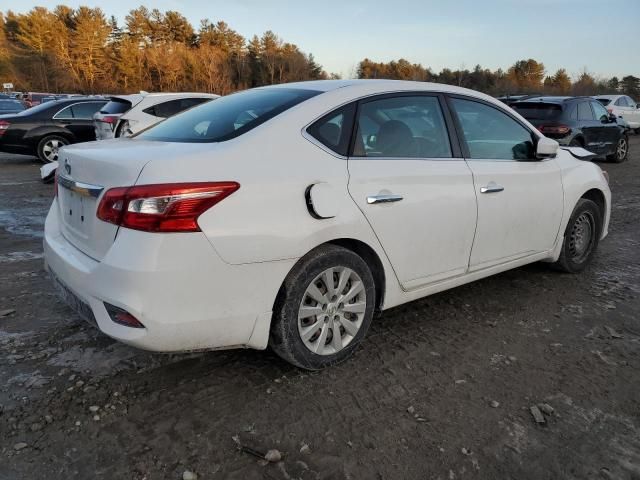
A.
pixel 441 388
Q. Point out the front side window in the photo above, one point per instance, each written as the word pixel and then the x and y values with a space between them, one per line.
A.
pixel 600 112
pixel 402 127
pixel 334 129
pixel 491 134
pixel 584 111
pixel 227 117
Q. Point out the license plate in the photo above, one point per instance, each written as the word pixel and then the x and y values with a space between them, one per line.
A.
pixel 73 301
pixel 74 210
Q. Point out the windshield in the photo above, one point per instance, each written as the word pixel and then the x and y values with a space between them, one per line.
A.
pixel 228 117
pixel 538 111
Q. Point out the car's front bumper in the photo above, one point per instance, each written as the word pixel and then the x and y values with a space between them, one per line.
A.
pixel 176 285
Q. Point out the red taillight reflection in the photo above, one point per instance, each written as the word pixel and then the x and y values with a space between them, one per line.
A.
pixel 4 126
pixel 172 207
pixel 110 119
pixel 554 129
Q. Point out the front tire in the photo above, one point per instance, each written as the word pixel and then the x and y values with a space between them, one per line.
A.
pixel 622 150
pixel 49 146
pixel 581 237
pixel 323 309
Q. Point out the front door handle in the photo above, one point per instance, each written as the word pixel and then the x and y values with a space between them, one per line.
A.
pixel 492 187
pixel 371 199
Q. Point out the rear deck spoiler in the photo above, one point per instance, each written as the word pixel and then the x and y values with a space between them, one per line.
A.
pixel 579 153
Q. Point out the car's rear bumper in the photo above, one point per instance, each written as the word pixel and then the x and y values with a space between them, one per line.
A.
pixel 176 285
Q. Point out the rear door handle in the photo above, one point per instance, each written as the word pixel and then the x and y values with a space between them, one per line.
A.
pixel 492 187
pixel 371 199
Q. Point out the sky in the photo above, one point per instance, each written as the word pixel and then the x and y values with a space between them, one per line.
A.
pixel 602 36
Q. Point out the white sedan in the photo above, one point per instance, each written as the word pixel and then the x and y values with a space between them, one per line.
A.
pixel 286 215
pixel 624 107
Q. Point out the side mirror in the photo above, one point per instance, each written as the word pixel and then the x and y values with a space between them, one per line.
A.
pixel 546 148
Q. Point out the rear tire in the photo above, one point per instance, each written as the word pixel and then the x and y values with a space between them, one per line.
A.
pixel 318 320
pixel 581 237
pixel 48 147
pixel 622 150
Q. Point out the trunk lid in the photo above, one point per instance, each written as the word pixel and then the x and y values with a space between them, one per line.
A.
pixel 88 170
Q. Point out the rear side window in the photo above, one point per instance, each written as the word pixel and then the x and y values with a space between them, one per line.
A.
pixel 227 117
pixel 79 111
pixel 334 129
pixel 491 134
pixel 116 106
pixel 173 107
pixel 584 111
pixel 600 111
pixel 402 127
pixel 538 111
pixel 622 102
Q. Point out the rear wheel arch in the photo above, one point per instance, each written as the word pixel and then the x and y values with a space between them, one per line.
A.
pixel 373 261
pixel 361 249
pixel 578 140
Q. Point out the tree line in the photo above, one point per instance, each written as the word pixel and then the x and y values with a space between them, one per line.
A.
pixel 524 77
pixel 81 50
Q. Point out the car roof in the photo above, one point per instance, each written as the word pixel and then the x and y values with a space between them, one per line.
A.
pixel 372 86
pixel 180 94
pixel 552 99
pixel 609 97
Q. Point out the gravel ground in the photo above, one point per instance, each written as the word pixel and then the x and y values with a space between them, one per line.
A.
pixel 447 387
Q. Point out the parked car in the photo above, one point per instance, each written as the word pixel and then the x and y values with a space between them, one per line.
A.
pixel 154 108
pixel 33 99
pixel 106 119
pixel 43 129
pixel 577 121
pixel 8 106
pixel 622 106
pixel 286 215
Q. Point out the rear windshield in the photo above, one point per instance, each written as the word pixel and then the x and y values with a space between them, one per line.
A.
pixel 228 117
pixel 116 105
pixel 538 111
pixel 604 101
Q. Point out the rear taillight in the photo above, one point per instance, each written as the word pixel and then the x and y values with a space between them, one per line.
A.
pixel 4 126
pixel 554 129
pixel 171 207
pixel 110 119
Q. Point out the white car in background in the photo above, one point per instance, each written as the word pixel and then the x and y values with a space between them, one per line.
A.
pixel 286 215
pixel 154 108
pixel 622 106
pixel 106 119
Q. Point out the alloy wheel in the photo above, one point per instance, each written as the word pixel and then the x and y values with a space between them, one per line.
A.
pixel 332 310
pixel 51 148
pixel 621 149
